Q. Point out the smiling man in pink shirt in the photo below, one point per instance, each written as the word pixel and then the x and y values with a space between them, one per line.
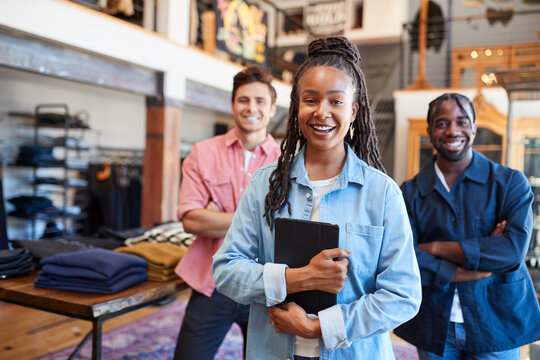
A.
pixel 214 176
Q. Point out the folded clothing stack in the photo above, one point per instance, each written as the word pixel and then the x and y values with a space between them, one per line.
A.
pixel 15 263
pixel 162 258
pixel 93 270
pixel 27 206
pixel 172 233
pixel 35 155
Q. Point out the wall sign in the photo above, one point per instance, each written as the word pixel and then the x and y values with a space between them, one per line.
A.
pixel 324 19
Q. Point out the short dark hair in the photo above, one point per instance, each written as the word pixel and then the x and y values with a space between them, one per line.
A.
pixel 460 99
pixel 250 75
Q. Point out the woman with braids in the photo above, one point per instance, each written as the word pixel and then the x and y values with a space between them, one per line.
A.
pixel 329 171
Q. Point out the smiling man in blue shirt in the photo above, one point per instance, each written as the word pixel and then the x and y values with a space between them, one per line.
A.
pixel 472 221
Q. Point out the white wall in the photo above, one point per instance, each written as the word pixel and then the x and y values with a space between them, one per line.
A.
pixel 414 104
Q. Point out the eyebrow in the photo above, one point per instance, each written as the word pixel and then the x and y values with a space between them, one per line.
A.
pixel 328 92
pixel 445 118
pixel 247 97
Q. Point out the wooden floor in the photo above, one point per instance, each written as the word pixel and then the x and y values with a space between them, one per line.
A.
pixel 27 333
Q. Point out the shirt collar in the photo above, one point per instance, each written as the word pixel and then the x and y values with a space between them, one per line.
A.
pixel 352 169
pixel 478 171
pixel 267 145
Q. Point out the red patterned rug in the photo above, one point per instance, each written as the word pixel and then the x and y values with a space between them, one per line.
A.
pixel 154 337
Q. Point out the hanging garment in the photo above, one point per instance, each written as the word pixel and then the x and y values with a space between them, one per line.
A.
pixel 114 197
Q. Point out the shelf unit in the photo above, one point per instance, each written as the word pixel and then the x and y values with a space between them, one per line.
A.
pixel 65 182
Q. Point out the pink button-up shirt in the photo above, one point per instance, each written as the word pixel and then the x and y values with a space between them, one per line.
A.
pixel 214 169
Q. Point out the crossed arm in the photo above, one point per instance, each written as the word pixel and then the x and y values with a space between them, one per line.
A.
pixel 209 222
pixel 452 251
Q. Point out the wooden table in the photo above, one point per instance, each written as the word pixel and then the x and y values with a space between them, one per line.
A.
pixel 86 306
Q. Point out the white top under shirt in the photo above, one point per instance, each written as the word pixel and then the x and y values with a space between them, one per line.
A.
pixel 456 315
pixel 310 347
pixel 247 157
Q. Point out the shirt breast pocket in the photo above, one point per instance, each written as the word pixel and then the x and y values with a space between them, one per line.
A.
pixel 364 241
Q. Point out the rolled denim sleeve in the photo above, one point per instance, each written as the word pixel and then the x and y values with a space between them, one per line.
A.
pixel 334 333
pixel 275 285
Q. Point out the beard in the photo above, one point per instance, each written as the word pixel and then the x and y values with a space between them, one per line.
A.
pixel 453 156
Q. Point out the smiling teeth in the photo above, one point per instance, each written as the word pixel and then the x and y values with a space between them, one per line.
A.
pixel 322 127
pixel 454 144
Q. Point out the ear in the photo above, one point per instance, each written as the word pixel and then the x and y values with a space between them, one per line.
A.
pixel 273 110
pixel 354 111
pixel 428 130
pixel 474 128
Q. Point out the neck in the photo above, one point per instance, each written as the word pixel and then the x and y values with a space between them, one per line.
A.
pixel 250 140
pixel 452 170
pixel 322 165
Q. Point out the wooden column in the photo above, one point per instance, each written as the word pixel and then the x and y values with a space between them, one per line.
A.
pixel 161 173
pixel 421 81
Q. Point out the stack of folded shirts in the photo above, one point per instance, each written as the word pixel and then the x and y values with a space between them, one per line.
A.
pixel 172 233
pixel 162 258
pixel 15 263
pixel 91 270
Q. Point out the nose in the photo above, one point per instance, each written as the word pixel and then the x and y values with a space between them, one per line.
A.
pixel 452 128
pixel 252 106
pixel 323 110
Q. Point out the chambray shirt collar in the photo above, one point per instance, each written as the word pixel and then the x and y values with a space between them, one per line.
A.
pixel 267 145
pixel 352 169
pixel 478 172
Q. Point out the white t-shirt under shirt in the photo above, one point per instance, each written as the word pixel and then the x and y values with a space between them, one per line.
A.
pixel 247 157
pixel 456 315
pixel 310 347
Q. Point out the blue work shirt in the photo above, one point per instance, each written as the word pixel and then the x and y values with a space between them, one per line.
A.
pixel 383 281
pixel 501 311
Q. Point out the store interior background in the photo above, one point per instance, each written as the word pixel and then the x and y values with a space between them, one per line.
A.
pixel 194 78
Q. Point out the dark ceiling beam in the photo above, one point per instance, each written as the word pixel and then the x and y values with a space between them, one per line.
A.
pixel 28 53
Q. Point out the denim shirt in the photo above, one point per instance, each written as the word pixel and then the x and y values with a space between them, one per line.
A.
pixel 501 312
pixel 383 284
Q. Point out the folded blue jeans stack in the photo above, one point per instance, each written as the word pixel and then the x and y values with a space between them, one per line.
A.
pixel 92 270
pixel 15 263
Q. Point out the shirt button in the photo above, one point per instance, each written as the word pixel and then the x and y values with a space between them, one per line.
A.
pixel 308 195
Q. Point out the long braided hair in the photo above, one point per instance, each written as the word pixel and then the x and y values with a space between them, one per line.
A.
pixel 340 53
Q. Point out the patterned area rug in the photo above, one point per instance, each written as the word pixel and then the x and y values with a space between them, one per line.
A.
pixel 154 337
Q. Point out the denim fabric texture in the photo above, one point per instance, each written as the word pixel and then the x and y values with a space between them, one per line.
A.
pixel 383 283
pixel 500 312
pixel 456 340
